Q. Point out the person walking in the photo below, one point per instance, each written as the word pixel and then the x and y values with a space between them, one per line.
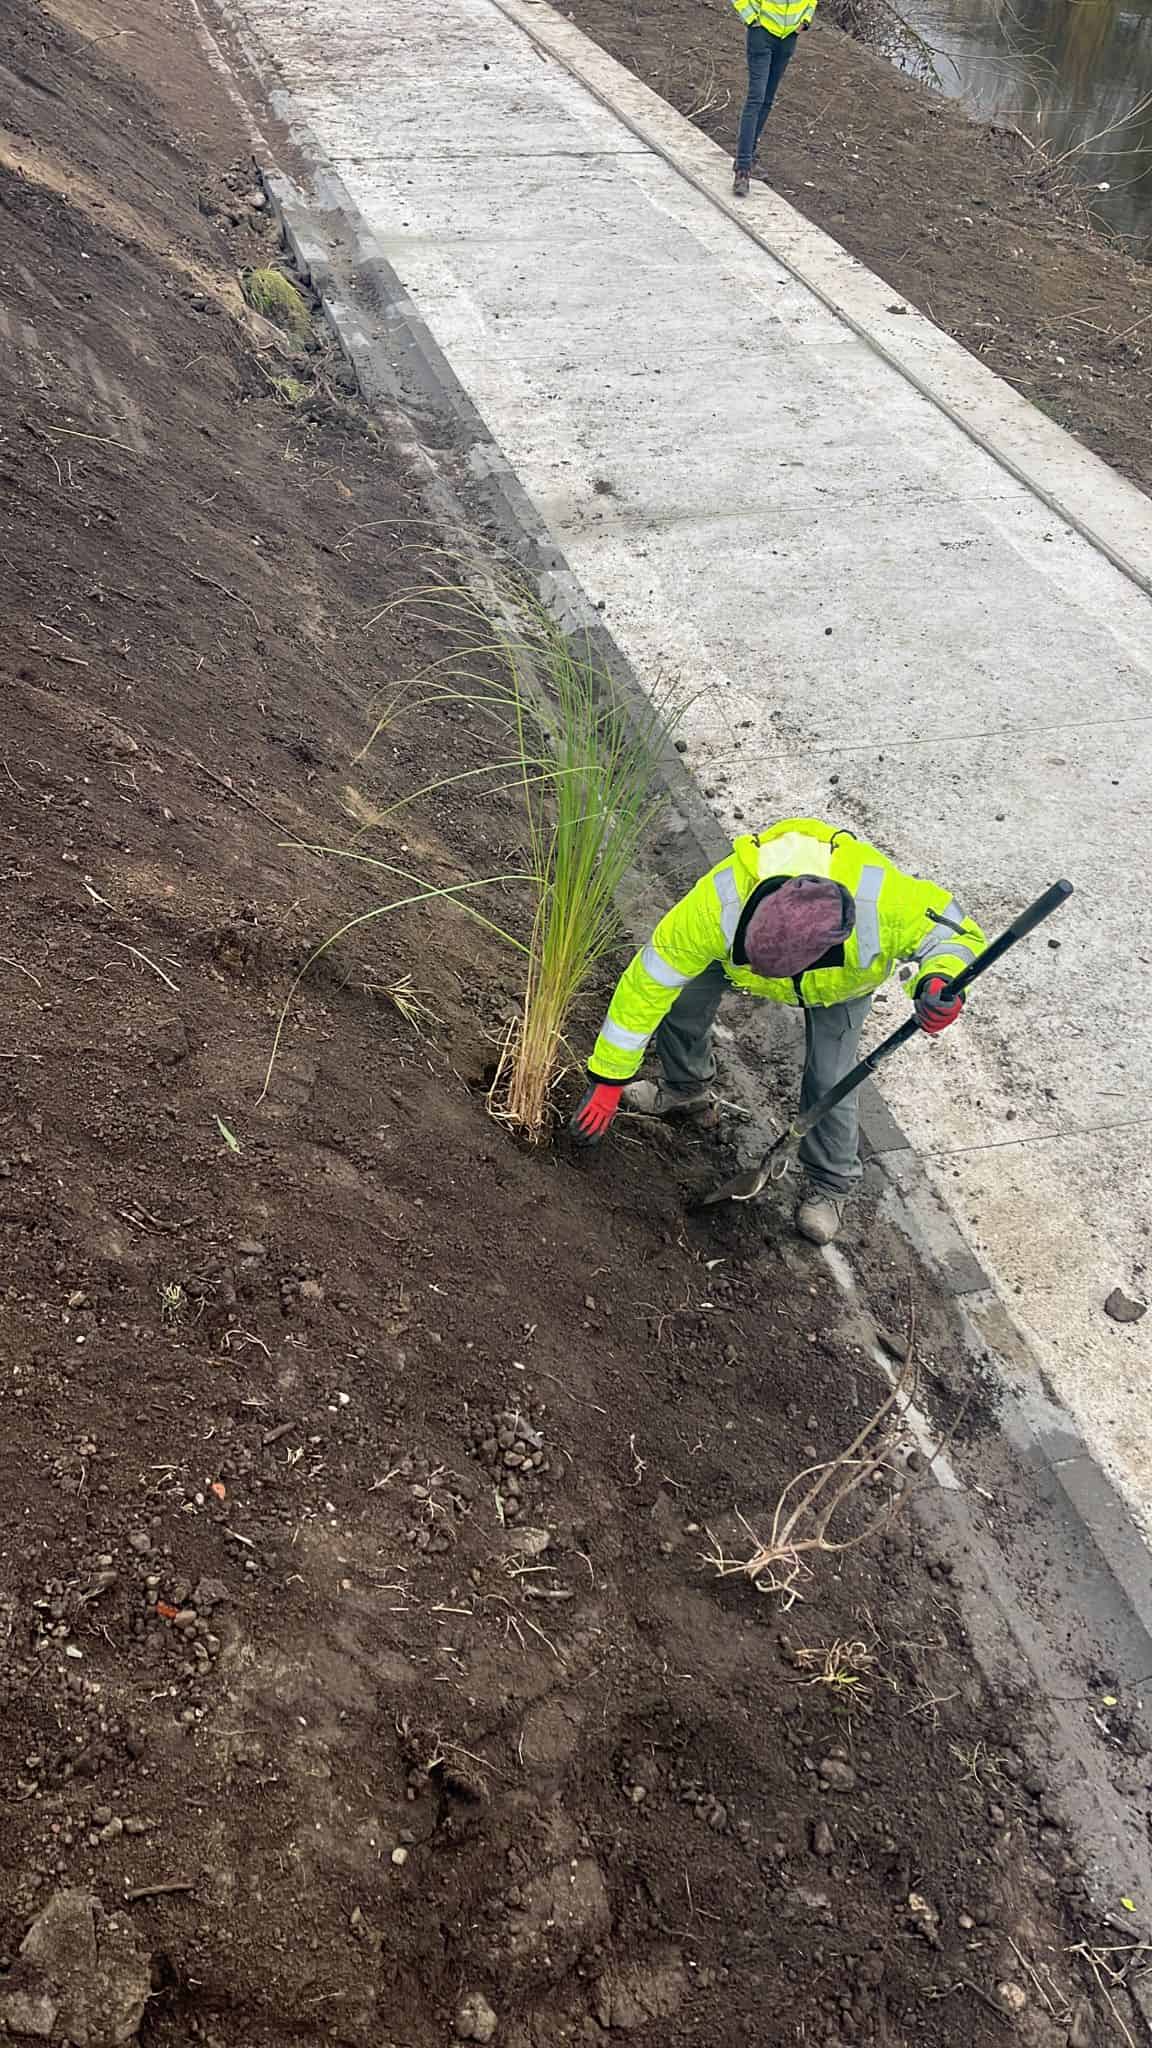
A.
pixel 805 914
pixel 773 26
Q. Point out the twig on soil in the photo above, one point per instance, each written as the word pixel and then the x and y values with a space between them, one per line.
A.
pixel 103 440
pixel 801 1528
pixel 9 962
pixel 932 1704
pixel 694 1909
pixel 273 1436
pixel 529 1623
pixel 1095 1957
pixel 158 1891
pixel 798 1530
pixel 230 789
pixel 539 1373
pixel 210 583
pixel 138 955
pixel 245 1338
pixel 142 1219
pixel 1064 2016
pixel 1126 331
pixel 985 1997
pixel 386 1479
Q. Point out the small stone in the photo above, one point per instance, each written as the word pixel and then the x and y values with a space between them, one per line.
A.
pixel 139 1542
pixel 837 1775
pixel 1122 1308
pixel 101 1815
pixel 475 2019
pixel 113 1830
pixel 924 1917
pixel 251 1248
pixel 822 1839
pixel 400 1857
pixel 1013 1997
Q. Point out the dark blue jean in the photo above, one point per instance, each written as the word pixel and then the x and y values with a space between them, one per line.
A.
pixel 768 57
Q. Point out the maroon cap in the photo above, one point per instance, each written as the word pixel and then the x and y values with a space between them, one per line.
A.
pixel 793 927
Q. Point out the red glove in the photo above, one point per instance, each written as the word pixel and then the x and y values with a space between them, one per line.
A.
pixel 595 1111
pixel 935 1009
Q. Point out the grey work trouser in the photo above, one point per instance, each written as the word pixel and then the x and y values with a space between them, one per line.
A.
pixel 830 1154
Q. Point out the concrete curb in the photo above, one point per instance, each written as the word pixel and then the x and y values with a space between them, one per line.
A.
pixel 1093 1564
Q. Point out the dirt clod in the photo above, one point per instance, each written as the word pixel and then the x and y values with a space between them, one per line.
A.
pixel 80 1976
pixel 475 2019
pixel 837 1775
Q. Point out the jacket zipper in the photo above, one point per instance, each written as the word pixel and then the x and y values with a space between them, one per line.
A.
pixel 798 985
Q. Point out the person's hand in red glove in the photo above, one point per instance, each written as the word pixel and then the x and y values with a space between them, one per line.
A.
pixel 935 1009
pixel 595 1111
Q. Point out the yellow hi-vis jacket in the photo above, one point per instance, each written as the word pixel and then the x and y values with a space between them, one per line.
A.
pixel 779 17
pixel 898 917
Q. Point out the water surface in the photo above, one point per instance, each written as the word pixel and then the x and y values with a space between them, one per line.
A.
pixel 1075 76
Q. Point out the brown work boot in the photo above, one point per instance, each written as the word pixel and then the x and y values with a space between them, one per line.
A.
pixel 820 1215
pixel 741 183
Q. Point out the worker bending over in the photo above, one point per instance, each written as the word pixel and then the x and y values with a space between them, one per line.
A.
pixel 802 914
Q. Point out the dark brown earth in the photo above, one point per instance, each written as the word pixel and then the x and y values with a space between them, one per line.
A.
pixel 966 221
pixel 272 1651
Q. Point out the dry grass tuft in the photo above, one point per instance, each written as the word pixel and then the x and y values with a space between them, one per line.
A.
pixel 810 1508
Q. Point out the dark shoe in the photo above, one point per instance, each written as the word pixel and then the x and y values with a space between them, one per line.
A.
pixel 741 184
pixel 820 1215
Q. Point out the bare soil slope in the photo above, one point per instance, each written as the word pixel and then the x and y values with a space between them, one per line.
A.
pixel 288 1380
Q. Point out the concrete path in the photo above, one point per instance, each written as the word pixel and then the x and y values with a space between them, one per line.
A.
pixel 895 594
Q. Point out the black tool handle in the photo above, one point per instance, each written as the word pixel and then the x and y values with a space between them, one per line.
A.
pixel 1051 900
pixel 1020 927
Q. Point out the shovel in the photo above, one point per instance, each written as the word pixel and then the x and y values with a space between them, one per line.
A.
pixel 776 1161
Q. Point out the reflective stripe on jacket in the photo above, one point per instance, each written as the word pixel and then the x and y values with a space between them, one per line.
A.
pixel 898 918
pixel 779 17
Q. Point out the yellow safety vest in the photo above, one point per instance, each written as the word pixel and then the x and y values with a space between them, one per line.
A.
pixel 898 917
pixel 779 17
